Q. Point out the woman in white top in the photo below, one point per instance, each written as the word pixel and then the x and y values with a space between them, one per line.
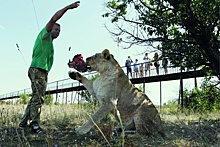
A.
pixel 147 64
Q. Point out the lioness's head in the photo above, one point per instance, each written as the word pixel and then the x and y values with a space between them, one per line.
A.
pixel 98 61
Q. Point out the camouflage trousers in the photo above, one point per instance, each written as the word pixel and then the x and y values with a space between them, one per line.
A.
pixel 38 79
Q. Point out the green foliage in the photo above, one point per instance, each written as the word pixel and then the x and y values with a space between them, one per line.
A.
pixel 24 98
pixel 140 87
pixel 56 103
pixel 186 31
pixel 171 103
pixel 8 103
pixel 171 107
pixel 207 98
pixel 48 99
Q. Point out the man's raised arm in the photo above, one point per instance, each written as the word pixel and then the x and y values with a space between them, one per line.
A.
pixel 60 13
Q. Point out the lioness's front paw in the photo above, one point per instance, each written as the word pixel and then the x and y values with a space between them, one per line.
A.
pixel 75 75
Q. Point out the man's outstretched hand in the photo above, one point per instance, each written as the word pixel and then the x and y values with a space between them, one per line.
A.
pixel 74 5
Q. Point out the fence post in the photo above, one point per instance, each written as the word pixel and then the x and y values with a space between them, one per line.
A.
pixel 78 96
pixel 160 95
pixel 195 80
pixel 72 95
pixel 181 89
pixel 57 93
pixel 66 97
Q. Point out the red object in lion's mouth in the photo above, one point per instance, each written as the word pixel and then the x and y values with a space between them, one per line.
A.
pixel 78 63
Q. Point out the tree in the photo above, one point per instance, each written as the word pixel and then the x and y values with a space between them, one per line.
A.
pixel 205 98
pixel 187 31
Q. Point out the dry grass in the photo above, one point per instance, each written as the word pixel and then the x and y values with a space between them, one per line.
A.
pixel 181 129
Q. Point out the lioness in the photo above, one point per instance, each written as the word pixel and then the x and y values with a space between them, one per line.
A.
pixel 112 88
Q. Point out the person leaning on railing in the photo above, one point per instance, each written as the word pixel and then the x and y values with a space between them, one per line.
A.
pixel 136 68
pixel 128 66
pixel 164 64
pixel 147 64
pixel 156 62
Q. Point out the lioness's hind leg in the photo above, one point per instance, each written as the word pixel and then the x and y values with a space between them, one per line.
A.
pixel 130 126
pixel 147 121
pixel 96 117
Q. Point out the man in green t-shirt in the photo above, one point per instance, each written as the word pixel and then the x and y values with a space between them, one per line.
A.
pixel 42 61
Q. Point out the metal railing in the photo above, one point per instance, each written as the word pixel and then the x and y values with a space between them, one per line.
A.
pixel 66 83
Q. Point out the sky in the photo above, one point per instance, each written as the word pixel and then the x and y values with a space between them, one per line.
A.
pixel 82 29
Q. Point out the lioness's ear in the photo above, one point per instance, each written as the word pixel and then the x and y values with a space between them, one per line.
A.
pixel 106 54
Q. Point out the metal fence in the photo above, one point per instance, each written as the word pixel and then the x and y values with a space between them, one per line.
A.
pixel 66 83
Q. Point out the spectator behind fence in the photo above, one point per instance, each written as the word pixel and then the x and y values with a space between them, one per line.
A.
pixel 156 62
pixel 164 64
pixel 136 70
pixel 128 66
pixel 141 69
pixel 147 64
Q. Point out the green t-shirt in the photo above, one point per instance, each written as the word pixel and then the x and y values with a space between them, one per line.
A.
pixel 43 51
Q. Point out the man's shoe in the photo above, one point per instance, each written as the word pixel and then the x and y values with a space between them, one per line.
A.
pixel 38 130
